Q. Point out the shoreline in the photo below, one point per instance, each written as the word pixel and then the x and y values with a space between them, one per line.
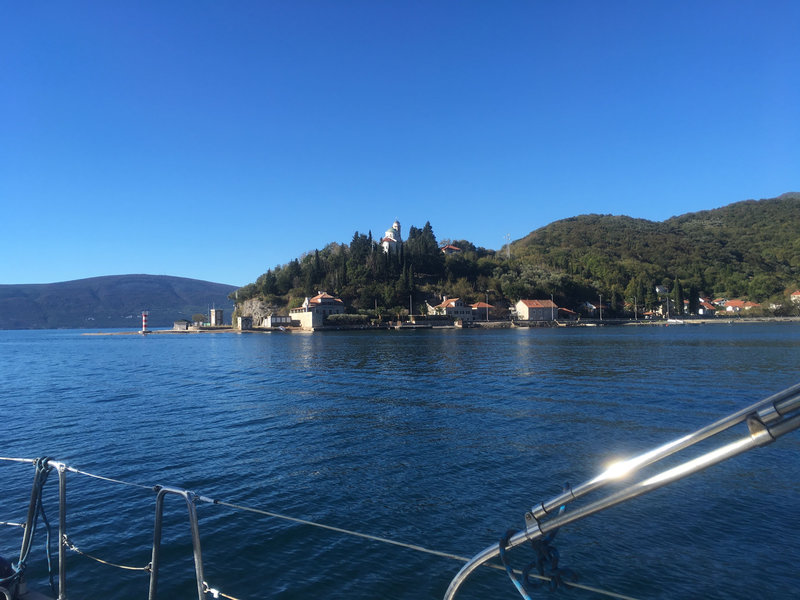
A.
pixel 473 325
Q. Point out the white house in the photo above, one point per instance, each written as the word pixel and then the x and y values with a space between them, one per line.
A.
pixel 314 310
pixel 736 306
pixel 276 321
pixel 452 307
pixel 536 310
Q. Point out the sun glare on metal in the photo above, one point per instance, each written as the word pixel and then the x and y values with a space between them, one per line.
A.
pixel 622 468
pixel 698 463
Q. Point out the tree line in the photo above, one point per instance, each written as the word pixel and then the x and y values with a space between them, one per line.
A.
pixel 746 250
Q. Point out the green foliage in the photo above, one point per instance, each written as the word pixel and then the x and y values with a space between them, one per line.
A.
pixel 749 249
pixel 346 319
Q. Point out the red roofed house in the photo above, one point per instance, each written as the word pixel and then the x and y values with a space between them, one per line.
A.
pixel 536 310
pixel 795 297
pixel 705 308
pixel 452 307
pixel 736 306
pixel 314 310
pixel 450 249
pixel 481 309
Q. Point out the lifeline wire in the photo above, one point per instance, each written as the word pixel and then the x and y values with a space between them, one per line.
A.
pixel 215 593
pixel 137 485
pixel 259 511
pixel 68 543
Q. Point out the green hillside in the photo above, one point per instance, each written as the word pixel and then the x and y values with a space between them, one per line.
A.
pixel 748 250
pixel 111 301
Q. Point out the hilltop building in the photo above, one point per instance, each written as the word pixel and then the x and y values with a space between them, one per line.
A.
pixel 392 241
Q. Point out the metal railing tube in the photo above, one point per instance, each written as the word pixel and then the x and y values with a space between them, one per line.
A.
pixel 648 485
pixel 62 529
pixel 782 402
pixel 189 497
pixel 30 520
pixel 785 426
pixel 760 434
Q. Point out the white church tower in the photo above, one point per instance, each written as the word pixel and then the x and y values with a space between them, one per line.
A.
pixel 392 240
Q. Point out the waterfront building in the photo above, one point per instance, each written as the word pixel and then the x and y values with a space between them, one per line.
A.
pixel 276 321
pixel 480 310
pixel 536 310
pixel 452 307
pixel 314 310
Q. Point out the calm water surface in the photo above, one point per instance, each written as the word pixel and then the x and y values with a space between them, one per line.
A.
pixel 437 438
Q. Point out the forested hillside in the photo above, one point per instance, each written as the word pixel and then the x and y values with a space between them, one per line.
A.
pixel 749 249
pixel 746 250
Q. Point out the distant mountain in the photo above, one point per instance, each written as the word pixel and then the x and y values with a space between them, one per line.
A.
pixel 749 248
pixel 110 301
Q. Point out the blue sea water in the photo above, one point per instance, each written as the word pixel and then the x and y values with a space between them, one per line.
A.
pixel 441 439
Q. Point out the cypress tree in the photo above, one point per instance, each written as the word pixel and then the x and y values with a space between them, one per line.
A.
pixel 677 294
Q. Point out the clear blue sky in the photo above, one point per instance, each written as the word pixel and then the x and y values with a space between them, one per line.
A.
pixel 215 140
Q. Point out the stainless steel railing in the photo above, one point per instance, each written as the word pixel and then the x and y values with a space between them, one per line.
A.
pixel 766 421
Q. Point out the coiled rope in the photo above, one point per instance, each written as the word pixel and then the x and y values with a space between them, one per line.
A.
pixel 215 593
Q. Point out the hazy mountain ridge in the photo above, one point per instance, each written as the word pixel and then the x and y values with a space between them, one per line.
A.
pixel 109 301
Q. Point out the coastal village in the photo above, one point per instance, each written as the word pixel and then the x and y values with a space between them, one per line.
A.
pixel 324 311
pixel 315 314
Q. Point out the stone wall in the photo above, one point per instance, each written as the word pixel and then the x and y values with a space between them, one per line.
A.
pixel 254 308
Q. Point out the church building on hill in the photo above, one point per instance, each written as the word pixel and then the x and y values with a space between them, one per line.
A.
pixel 392 240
